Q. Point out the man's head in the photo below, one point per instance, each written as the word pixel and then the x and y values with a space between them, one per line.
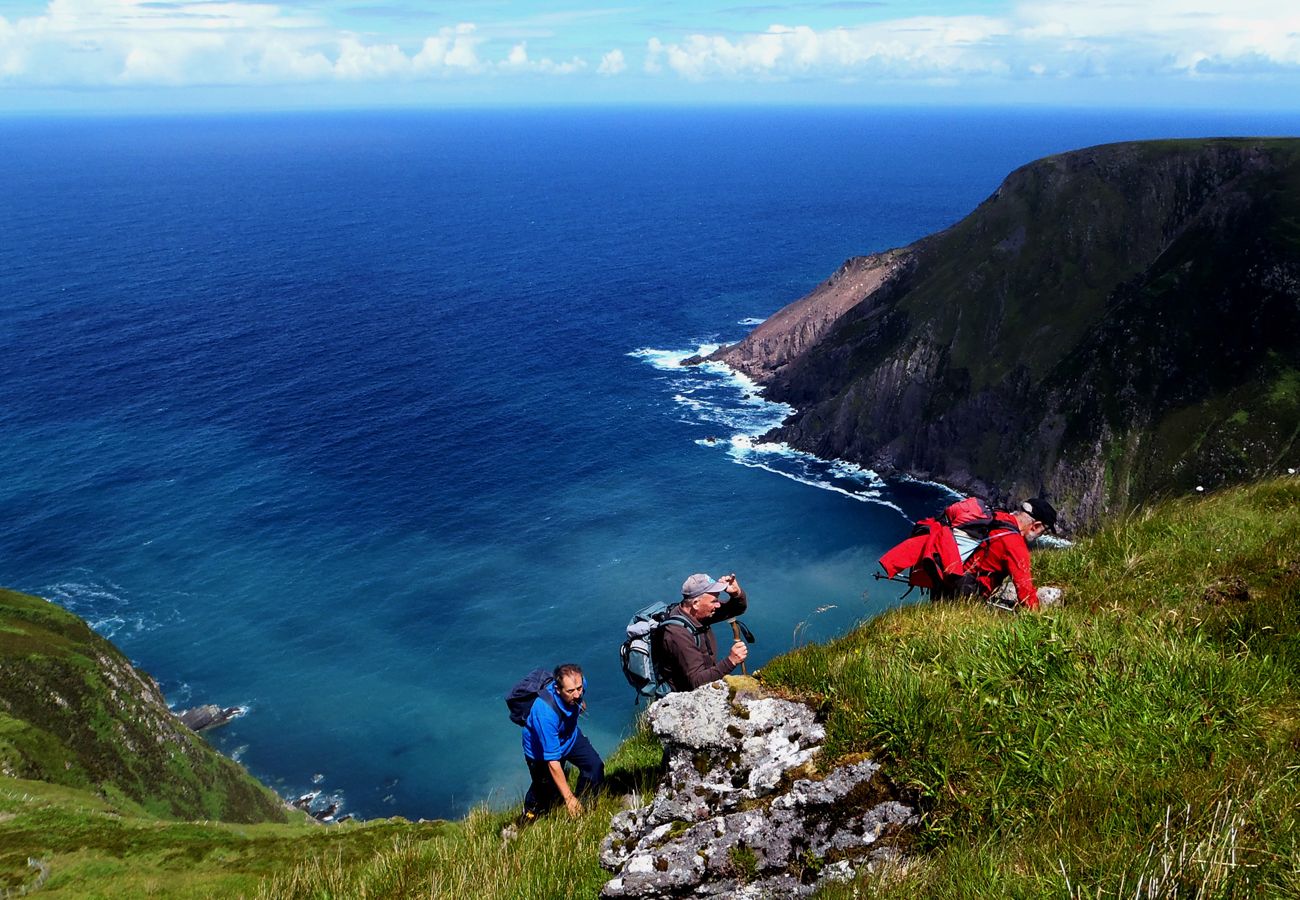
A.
pixel 1035 516
pixel 701 595
pixel 569 683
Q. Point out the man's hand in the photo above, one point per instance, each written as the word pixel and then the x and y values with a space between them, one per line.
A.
pixel 733 586
pixel 573 805
pixel 739 651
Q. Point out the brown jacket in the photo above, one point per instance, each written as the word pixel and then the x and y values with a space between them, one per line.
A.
pixel 680 661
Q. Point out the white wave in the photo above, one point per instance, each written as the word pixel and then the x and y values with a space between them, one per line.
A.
pixel 751 321
pixel 864 496
pixel 105 605
pixel 714 395
pixel 178 696
pixel 1056 543
pixel 956 494
pixel 670 360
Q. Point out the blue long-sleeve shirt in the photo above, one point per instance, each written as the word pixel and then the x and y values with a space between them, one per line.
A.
pixel 550 732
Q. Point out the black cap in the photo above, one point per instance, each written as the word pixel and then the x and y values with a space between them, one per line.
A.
pixel 1042 511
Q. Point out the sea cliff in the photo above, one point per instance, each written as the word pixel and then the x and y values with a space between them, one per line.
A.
pixel 1111 324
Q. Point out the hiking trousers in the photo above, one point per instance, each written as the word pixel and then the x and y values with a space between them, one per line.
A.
pixel 543 794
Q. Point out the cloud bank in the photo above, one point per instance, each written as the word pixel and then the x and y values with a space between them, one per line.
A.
pixel 124 43
pixel 1119 39
pixel 145 43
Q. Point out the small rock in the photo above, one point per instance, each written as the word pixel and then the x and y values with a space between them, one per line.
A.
pixel 201 718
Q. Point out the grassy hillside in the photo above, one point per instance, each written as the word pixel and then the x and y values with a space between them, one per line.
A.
pixel 1144 740
pixel 74 712
pixel 87 847
pixel 1154 721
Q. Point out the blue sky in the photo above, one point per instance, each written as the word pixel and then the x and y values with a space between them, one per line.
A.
pixel 114 55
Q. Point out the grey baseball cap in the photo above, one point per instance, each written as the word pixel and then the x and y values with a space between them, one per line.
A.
pixel 699 583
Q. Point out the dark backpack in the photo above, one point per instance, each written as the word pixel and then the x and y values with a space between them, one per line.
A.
pixel 640 648
pixel 520 698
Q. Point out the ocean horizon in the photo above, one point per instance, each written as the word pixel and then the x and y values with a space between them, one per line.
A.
pixel 352 419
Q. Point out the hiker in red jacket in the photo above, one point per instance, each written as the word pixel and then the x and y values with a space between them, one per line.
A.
pixel 1006 552
pixel 969 550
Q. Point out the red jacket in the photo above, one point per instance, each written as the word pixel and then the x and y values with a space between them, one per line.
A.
pixel 1005 553
pixel 934 560
pixel 932 556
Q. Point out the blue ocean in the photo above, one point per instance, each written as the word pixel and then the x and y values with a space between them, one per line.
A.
pixel 353 419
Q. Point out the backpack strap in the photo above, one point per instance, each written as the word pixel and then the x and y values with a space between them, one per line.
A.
pixel 544 693
pixel 680 619
pixel 997 531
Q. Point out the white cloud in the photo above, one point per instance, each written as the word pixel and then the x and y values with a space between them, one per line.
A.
pixel 97 43
pixel 612 63
pixel 518 57
pixel 926 46
pixel 1114 37
pixel 518 60
pixel 450 48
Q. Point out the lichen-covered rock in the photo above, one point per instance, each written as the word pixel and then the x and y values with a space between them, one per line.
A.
pixel 738 813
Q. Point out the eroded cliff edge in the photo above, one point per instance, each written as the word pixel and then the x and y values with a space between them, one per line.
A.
pixel 1111 324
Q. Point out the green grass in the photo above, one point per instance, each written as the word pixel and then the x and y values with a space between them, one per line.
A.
pixel 93 847
pixel 73 711
pixel 555 857
pixel 1074 750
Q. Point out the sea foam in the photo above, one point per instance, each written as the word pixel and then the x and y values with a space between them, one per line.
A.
pixel 732 407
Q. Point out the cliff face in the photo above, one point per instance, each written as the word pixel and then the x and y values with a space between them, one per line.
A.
pixel 1111 324
pixel 75 712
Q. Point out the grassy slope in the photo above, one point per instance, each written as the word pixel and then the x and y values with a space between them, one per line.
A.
pixel 1155 719
pixel 100 849
pixel 1059 745
pixel 73 711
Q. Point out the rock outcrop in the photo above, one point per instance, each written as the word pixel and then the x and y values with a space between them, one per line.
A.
pixel 1111 324
pixel 209 715
pixel 743 810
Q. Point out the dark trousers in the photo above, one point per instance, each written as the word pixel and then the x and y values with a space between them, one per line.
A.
pixel 543 794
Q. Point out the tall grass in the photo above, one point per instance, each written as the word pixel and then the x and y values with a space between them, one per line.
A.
pixel 1047 750
pixel 487 854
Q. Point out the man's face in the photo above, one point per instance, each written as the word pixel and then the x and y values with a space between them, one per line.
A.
pixel 1030 528
pixel 706 605
pixel 570 690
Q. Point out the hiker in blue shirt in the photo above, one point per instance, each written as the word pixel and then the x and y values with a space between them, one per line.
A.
pixel 552 739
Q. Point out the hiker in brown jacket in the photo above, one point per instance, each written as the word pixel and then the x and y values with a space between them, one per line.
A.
pixel 686 652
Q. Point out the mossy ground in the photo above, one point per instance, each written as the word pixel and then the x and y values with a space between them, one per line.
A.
pixel 1148 732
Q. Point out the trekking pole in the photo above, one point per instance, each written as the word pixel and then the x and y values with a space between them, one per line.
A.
pixel 735 633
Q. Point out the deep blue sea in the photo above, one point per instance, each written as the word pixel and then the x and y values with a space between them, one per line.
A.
pixel 353 419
